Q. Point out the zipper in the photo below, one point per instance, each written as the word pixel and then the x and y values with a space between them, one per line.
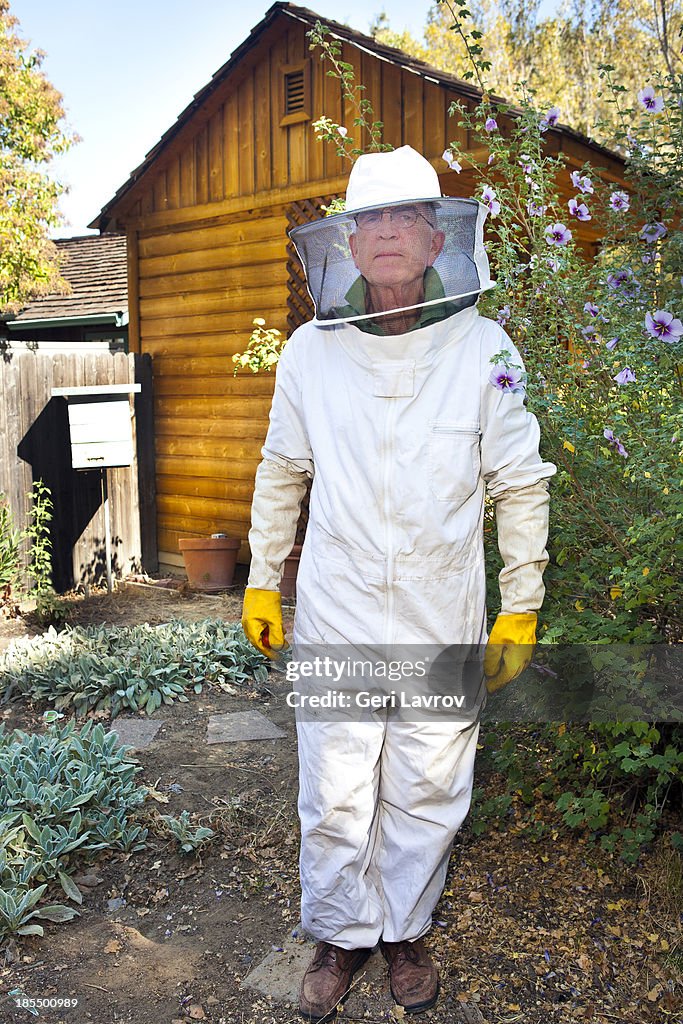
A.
pixel 387 454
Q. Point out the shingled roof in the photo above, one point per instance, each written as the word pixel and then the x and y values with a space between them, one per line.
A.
pixel 95 268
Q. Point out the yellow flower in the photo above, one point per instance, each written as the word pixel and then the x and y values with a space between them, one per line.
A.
pixel 648 475
pixel 665 491
pixel 646 572
pixel 259 321
pixel 615 592
pixel 569 446
pixel 579 605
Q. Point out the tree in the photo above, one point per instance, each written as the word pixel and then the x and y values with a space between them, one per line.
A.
pixel 558 57
pixel 31 134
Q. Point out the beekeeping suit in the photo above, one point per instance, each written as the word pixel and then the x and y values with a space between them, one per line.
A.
pixel 402 433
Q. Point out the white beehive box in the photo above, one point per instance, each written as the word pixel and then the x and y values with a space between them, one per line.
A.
pixel 100 425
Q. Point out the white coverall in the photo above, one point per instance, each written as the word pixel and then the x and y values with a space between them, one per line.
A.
pixel 402 436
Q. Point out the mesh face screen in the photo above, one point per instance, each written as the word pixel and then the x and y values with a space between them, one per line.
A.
pixel 395 257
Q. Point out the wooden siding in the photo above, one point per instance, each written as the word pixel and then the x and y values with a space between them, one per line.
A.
pixel 206 229
pixel 200 286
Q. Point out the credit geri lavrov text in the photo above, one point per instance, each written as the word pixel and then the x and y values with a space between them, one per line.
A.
pixel 367 699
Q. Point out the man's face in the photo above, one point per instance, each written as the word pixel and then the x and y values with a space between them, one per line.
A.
pixel 394 246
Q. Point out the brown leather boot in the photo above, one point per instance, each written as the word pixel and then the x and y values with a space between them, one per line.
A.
pixel 327 980
pixel 413 978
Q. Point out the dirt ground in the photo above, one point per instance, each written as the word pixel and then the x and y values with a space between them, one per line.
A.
pixel 542 932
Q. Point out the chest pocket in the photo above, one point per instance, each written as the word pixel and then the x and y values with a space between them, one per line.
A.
pixel 454 460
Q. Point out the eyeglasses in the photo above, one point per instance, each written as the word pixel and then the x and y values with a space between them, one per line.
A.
pixel 400 216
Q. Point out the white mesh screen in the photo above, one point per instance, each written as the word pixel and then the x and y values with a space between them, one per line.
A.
pixel 375 261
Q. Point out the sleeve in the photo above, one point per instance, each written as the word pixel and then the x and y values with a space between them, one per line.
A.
pixel 516 478
pixel 281 478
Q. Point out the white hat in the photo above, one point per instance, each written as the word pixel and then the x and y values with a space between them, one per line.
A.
pixel 401 177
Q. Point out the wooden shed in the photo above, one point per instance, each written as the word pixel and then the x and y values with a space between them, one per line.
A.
pixel 206 216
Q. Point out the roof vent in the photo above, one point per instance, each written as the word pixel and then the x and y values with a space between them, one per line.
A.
pixel 296 93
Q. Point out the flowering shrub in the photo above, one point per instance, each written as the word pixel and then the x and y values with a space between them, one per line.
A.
pixel 601 342
pixel 263 351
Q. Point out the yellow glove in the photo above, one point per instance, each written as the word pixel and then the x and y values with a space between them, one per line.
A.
pixel 510 648
pixel 262 620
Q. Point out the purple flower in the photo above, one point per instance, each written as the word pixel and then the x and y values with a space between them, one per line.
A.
pixel 506 378
pixel 503 315
pixel 578 210
pixel 591 309
pixel 652 232
pixel 663 325
pixel 554 266
pixel 619 201
pixel 582 183
pixel 615 442
pixel 492 157
pixel 624 281
pixel 550 119
pixel 626 376
pixel 451 161
pixel 612 343
pixel 488 197
pixel 653 104
pixel 590 334
pixel 491 124
pixel 557 234
pixel 648 257
pixel 527 164
pixel 535 209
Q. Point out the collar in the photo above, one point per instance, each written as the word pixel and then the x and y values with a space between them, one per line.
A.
pixel 356 299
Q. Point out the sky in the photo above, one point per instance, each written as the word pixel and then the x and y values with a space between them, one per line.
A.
pixel 127 69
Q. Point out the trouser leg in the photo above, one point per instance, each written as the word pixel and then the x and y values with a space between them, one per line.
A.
pixel 425 791
pixel 339 764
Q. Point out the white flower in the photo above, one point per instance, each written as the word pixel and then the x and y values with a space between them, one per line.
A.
pixel 451 161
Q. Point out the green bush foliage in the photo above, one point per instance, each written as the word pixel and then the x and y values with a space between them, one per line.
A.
pixel 614 782
pixel 38 568
pixel 128 667
pixel 65 795
pixel 10 540
pixel 601 340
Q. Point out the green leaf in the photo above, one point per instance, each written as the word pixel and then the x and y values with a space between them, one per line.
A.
pixel 70 887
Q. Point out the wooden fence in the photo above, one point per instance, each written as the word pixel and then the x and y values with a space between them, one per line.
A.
pixel 35 444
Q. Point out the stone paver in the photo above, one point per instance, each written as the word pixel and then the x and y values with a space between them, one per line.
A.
pixel 279 974
pixel 136 732
pixel 240 726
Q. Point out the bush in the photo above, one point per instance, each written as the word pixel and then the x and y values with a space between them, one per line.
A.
pixel 615 782
pixel 136 667
pixel 66 795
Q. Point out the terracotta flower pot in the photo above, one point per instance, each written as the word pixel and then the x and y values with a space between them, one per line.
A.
pixel 289 572
pixel 209 561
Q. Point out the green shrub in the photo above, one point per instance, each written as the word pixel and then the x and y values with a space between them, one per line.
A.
pixel 128 667
pixel 615 782
pixel 10 540
pixel 65 796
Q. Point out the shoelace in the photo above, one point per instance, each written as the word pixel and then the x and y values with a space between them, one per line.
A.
pixel 406 952
pixel 327 957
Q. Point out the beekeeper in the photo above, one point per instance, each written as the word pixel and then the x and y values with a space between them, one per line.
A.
pixel 387 401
